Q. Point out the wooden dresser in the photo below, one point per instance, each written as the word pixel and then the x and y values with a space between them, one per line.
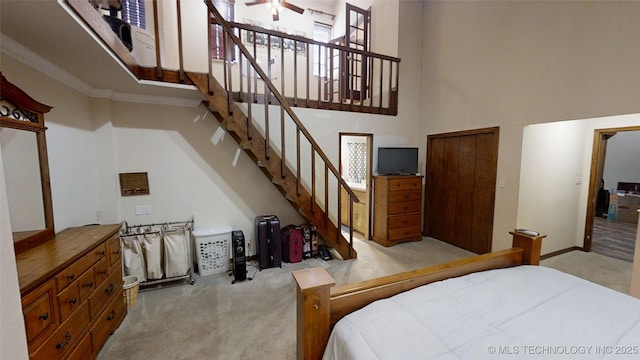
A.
pixel 71 288
pixel 397 206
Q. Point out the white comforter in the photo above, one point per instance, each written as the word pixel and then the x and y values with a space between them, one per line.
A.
pixel 525 312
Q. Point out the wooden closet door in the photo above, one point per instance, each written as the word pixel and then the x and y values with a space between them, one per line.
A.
pixel 460 188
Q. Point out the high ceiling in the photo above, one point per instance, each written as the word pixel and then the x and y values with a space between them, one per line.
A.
pixel 45 29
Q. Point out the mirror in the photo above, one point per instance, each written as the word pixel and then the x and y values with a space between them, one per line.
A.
pixel 22 178
pixel 26 168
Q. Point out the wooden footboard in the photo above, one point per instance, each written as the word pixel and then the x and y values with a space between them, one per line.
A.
pixel 320 305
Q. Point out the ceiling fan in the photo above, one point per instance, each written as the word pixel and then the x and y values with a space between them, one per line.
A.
pixel 276 6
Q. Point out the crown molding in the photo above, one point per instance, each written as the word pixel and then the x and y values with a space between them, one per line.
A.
pixel 30 58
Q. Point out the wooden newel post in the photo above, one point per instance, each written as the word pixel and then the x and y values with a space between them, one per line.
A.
pixel 312 303
pixel 531 246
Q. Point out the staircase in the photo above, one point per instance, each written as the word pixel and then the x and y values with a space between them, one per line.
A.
pixel 271 164
pixel 245 107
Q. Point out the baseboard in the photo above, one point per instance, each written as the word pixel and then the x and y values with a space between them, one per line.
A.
pixel 560 252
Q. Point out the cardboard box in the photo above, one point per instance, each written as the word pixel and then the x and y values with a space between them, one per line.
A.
pixel 625 207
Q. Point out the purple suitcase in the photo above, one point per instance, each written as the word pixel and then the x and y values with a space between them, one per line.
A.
pixel 268 241
pixel 291 244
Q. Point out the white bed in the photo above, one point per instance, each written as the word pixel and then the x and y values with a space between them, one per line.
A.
pixel 522 312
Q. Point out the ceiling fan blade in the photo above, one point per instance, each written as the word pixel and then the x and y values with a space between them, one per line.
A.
pixel 258 2
pixel 289 6
pixel 276 16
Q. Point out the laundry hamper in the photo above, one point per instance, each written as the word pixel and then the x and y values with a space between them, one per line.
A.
pixel 130 287
pixel 212 248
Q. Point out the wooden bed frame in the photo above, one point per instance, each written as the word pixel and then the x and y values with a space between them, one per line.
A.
pixel 320 304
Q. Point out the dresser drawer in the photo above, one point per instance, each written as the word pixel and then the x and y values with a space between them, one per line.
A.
pixel 113 250
pixel 404 207
pixel 68 300
pixel 109 320
pixel 105 291
pixel 66 336
pixel 405 195
pixel 71 273
pixel 413 183
pixel 83 351
pixel 86 284
pixel 397 221
pixel 101 271
pixel 40 310
pixel 412 232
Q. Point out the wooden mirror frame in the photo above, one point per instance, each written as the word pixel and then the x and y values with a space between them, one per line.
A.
pixel 28 114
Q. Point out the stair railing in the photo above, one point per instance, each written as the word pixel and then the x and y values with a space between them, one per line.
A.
pixel 345 79
pixel 260 85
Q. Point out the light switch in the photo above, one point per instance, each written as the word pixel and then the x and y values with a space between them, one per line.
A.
pixel 143 209
pixel 578 180
pixel 502 183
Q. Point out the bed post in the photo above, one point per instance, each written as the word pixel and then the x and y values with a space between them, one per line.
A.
pixel 312 311
pixel 530 245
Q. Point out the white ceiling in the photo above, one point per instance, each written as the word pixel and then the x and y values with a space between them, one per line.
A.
pixel 45 36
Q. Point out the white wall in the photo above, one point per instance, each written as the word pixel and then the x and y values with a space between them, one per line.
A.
pixel 511 64
pixel 621 163
pixel 555 157
pixel 191 171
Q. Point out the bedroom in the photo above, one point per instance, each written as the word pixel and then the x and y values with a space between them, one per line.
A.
pixel 451 93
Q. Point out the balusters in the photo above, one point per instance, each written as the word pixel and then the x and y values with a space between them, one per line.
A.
pixel 313 179
pixel 298 182
pixel 381 72
pixel 283 143
pixel 360 71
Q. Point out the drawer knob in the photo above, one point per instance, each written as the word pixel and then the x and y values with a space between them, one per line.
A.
pixel 71 276
pixel 101 253
pixel 73 301
pixel 116 252
pixel 67 337
pixel 112 315
pixel 110 289
pixel 405 207
pixel 102 272
pixel 43 317
pixel 89 284
pixel 406 233
pixel 406 196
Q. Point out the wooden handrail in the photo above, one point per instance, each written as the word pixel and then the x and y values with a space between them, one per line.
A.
pixel 309 41
pixel 283 102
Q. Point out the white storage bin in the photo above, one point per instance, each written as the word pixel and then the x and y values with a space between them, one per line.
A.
pixel 212 248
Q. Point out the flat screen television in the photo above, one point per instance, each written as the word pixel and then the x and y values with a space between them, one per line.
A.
pixel 397 160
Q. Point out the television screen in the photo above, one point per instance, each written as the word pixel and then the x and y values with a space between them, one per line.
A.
pixel 397 160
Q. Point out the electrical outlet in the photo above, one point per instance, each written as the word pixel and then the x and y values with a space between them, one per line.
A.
pixel 143 209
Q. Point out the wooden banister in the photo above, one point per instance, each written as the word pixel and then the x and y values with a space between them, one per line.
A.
pixel 272 89
pixel 310 41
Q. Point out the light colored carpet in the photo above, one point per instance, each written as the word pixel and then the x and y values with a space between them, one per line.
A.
pixel 606 271
pixel 214 319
